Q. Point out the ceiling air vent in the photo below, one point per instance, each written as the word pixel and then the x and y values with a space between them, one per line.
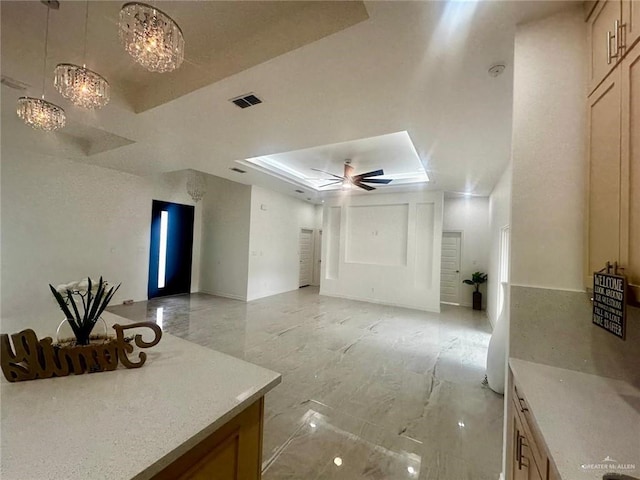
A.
pixel 246 100
pixel 238 170
pixel 13 83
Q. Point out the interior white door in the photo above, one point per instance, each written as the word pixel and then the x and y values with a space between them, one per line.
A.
pixel 450 268
pixel 306 257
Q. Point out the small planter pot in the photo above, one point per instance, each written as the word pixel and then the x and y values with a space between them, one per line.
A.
pixel 65 335
pixel 96 356
pixel 477 300
pixel 99 356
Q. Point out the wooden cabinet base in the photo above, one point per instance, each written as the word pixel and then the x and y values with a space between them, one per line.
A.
pixel 233 452
pixel 527 457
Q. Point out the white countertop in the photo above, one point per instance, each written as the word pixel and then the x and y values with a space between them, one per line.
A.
pixel 583 419
pixel 128 423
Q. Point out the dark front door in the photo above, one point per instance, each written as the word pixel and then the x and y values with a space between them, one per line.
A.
pixel 171 249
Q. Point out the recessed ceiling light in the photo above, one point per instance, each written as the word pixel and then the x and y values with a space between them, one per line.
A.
pixel 496 70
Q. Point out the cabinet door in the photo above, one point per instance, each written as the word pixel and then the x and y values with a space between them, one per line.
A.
pixel 631 20
pixel 601 25
pixel 523 465
pixel 602 236
pixel 233 452
pixel 630 169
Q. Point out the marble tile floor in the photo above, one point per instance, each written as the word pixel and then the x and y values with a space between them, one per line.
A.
pixel 368 391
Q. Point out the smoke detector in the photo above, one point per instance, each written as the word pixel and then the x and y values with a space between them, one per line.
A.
pixel 496 70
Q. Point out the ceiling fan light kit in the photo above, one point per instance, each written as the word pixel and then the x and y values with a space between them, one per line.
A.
pixel 348 180
pixel 151 37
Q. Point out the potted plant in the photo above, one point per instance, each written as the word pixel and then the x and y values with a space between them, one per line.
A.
pixel 82 303
pixel 477 279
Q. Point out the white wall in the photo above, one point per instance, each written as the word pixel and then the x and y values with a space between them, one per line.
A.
pixel 274 262
pixel 470 216
pixel 383 248
pixel 549 152
pixel 64 220
pixel 499 217
pixel 226 209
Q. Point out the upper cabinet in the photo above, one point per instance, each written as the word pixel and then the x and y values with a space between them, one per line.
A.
pixel 603 176
pixel 631 20
pixel 614 27
pixel 630 169
pixel 612 232
pixel 604 40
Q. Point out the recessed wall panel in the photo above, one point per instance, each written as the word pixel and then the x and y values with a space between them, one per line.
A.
pixel 425 217
pixel 333 243
pixel 377 234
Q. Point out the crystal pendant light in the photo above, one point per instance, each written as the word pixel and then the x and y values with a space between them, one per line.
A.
pixel 196 185
pixel 37 112
pixel 151 37
pixel 85 88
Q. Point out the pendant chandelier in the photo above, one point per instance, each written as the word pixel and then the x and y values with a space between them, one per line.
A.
pixel 37 112
pixel 85 88
pixel 196 185
pixel 151 37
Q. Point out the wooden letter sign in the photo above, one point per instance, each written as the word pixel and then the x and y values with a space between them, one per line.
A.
pixel 609 302
pixel 30 358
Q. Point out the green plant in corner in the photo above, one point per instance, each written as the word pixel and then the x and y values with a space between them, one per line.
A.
pixel 94 299
pixel 477 279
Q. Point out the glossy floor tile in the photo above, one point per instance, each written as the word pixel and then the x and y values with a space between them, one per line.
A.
pixel 368 391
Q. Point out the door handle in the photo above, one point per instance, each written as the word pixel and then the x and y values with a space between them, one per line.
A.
pixel 519 455
pixel 615 36
pixel 457 271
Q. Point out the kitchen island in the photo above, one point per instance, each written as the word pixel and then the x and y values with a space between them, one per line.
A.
pixel 189 411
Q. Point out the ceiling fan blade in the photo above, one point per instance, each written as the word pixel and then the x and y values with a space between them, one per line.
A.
pixel 330 183
pixel 328 173
pixel 377 180
pixel 363 186
pixel 374 173
pixel 348 170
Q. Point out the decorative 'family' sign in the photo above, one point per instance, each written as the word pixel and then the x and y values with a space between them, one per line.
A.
pixel 31 358
pixel 609 305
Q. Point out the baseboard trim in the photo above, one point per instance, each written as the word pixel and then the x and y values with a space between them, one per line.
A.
pixel 540 287
pixel 225 295
pixel 380 302
pixel 271 294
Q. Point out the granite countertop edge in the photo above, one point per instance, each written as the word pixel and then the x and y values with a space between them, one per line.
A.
pixel 564 432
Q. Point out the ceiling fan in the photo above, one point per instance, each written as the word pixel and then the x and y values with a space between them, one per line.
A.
pixel 360 180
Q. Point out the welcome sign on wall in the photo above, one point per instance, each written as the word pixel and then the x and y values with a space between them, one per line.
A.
pixel 609 302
